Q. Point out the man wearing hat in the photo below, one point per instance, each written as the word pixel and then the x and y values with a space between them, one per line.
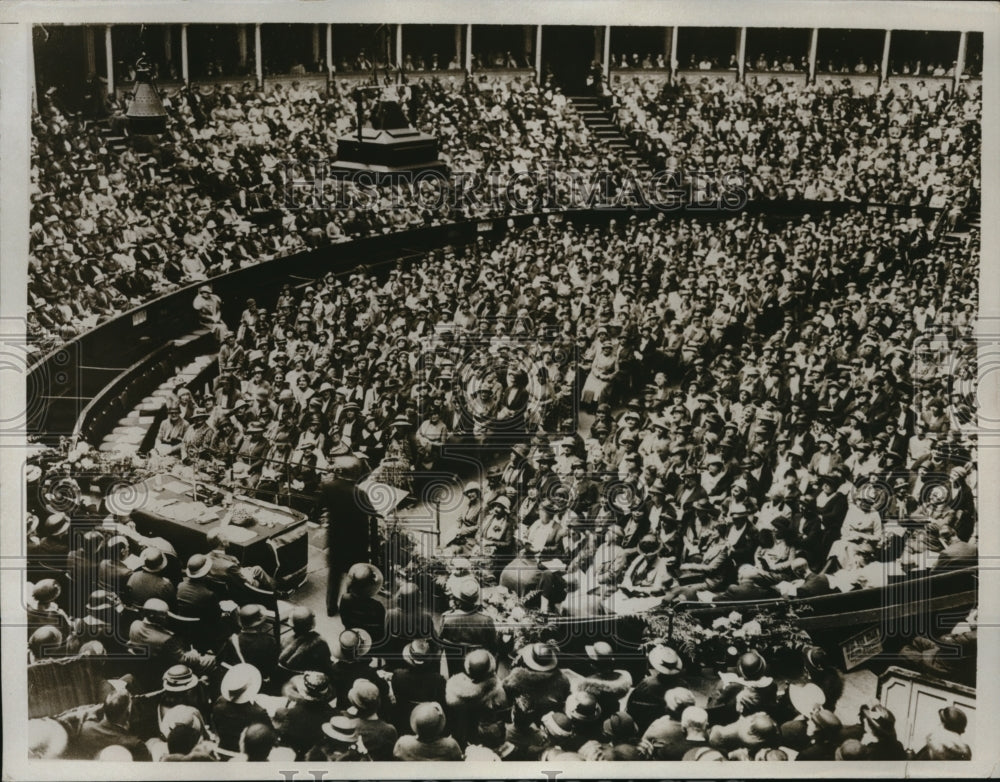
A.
pixel 947 741
pixel 417 680
pixel 599 677
pixel 824 736
pixel 45 611
pixel 305 649
pixel 51 545
pixel 310 704
pixel 149 581
pixel 879 741
pixel 348 531
pixel 236 706
pixel 474 698
pixel 100 623
pixel 170 435
pixel 378 736
pixel 586 723
pixel 254 643
pixel 465 626
pixel 645 703
pixel 252 449
pixel 340 742
pixel 535 682
pixel 517 472
pixel 150 639
pixel 351 661
pixel 360 606
pixel 195 597
pixel 429 739
pixel 198 437
pixel 805 699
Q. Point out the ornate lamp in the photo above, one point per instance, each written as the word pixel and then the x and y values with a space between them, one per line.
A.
pixel 146 115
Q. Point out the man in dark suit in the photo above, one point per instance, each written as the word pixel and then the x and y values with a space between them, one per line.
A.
pixel 690 491
pixel 149 638
pixel 465 626
pixel 740 536
pixel 109 728
pixel 418 680
pixel 195 598
pixel 149 581
pixel 306 649
pixel 583 492
pixel 254 643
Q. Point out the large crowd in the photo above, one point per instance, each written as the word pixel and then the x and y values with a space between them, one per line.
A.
pixel 113 226
pixel 830 141
pixel 798 428
pixel 663 411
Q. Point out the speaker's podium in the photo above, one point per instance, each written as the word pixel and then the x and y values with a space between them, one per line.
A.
pixel 387 149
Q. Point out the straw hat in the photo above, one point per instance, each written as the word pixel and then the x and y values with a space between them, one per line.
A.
pixel 241 684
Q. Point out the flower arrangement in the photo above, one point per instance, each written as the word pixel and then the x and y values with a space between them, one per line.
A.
pixel 518 626
pixel 775 634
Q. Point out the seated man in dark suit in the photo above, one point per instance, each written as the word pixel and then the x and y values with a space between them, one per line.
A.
pixel 195 597
pixel 149 638
pixel 306 650
pixel 109 727
pixel 227 575
pixel 254 643
pixel 955 553
pixel 149 582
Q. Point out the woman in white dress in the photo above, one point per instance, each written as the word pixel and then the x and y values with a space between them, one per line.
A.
pixel 602 371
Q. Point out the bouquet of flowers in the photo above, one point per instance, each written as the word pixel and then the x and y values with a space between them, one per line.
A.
pixel 516 625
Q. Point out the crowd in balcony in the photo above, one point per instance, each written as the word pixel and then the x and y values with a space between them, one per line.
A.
pixel 829 141
pixel 112 226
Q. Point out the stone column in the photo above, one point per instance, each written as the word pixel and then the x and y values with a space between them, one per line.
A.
pixel 109 55
pixel 813 47
pixel 741 53
pixel 185 73
pixel 538 54
pixel 258 56
pixel 884 73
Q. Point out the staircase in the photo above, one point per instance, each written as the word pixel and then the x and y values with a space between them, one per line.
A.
pixel 116 143
pixel 951 238
pixel 134 431
pixel 601 124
